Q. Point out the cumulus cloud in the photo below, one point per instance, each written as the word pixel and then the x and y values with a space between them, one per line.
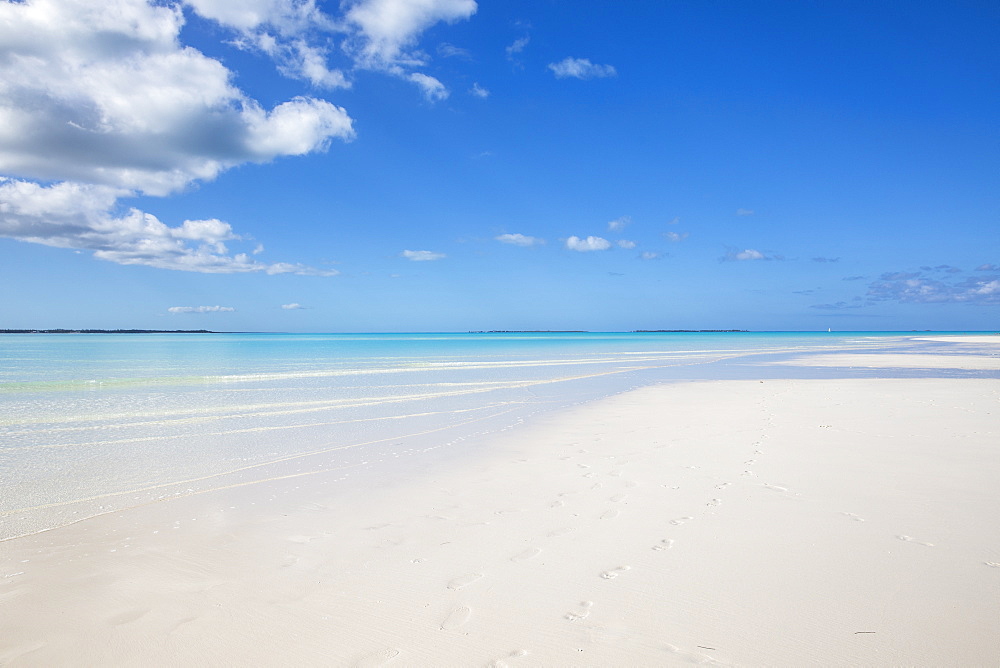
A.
pixel 479 91
pixel 386 30
pixel 294 306
pixel 625 243
pixel 101 102
pixel 200 309
pixel 581 68
pixel 932 285
pixel 421 255
pixel 676 237
pixel 588 244
pixel 734 255
pixel 110 96
pixel 374 34
pixel 519 240
pixel 433 89
pixel 648 255
pixel 74 215
pixel 619 224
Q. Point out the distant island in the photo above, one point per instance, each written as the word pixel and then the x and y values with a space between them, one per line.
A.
pixel 106 331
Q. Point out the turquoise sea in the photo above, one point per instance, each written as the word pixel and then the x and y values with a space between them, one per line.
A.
pixel 94 423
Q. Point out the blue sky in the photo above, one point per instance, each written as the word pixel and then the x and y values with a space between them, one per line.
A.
pixel 453 165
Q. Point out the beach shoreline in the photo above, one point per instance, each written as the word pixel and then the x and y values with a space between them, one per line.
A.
pixel 838 521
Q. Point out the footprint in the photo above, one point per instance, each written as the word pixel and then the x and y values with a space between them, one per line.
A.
pixel 500 663
pixel 127 616
pixel 664 544
pixel 597 485
pixel 854 517
pixel 776 488
pixel 992 564
pixel 692 657
pixel 560 532
pixel 456 618
pixel 378 659
pixel 631 483
pixel 582 613
pixel 723 485
pixel 615 473
pixel 618 497
pixel 530 553
pixel 911 539
pixel 713 503
pixel 464 581
pixel 558 503
pixel 614 572
pixel 610 515
pixel 680 520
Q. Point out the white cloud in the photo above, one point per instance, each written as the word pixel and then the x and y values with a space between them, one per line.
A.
pixel 676 237
pixel 287 16
pixel 452 51
pixel 649 255
pixel 280 29
pixel 106 94
pixel 588 244
pixel 675 221
pixel 734 255
pixel 294 306
pixel 74 215
pixel 201 309
pixel 619 224
pixel 744 212
pixel 581 68
pixel 625 243
pixel 103 100
pixel 479 91
pixel 433 89
pixel 422 255
pixel 373 34
pixel 517 47
pixel 929 287
pixel 519 240
pixel 387 28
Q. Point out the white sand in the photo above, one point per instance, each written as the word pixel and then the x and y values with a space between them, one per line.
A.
pixel 898 361
pixel 790 522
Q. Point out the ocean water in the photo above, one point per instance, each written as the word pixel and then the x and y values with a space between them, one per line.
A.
pixel 95 423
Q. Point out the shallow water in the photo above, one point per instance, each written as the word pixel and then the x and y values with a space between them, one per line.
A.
pixel 94 423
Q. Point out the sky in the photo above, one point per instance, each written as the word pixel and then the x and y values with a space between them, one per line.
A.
pixel 457 165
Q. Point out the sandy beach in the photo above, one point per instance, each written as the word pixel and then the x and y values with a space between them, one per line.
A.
pixel 851 521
